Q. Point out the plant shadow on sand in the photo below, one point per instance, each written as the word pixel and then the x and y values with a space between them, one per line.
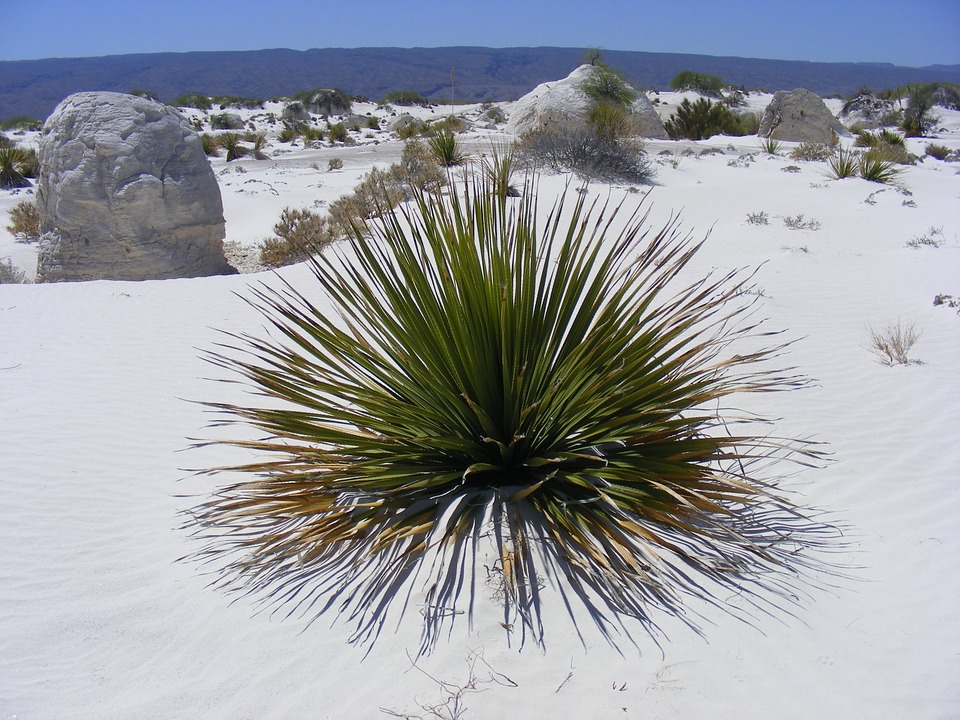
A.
pixel 545 393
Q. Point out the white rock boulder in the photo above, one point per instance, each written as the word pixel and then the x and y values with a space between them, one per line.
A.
pixel 128 191
pixel 563 103
pixel 799 116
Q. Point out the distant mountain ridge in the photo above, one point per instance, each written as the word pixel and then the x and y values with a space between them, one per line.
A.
pixel 34 87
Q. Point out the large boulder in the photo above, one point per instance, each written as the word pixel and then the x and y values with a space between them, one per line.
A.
pixel 563 104
pixel 867 112
pixel 128 191
pixel 799 116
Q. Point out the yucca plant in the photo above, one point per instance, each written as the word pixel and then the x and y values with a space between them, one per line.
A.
pixel 489 389
pixel 231 142
pixel 445 147
pixel 844 164
pixel 609 120
pixel 876 168
pixel 499 167
pixel 210 144
pixel 771 146
pixel 16 166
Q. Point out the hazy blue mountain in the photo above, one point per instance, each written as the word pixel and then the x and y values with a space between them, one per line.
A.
pixel 34 87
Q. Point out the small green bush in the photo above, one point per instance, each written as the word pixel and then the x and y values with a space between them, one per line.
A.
pixel 709 85
pixel 609 120
pixel 230 142
pixel 311 134
pixel 702 119
pixel 334 163
pixel 337 132
pixel 607 87
pixel 288 134
pixel 875 168
pixel 193 100
pixel 373 123
pixel 210 144
pixel 404 97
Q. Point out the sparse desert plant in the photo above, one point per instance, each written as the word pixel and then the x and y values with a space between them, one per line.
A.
pixel 21 123
pixel 259 141
pixel 932 238
pixel 411 129
pixel 495 114
pixel 758 218
pixel 587 154
pixel 875 168
pixel 770 146
pixel 844 163
pixel 935 150
pixel 231 143
pixel 574 415
pixel 918 118
pixel 893 342
pixel 701 119
pixel 11 275
pixel 709 85
pixel 17 165
pixel 296 237
pixel 445 147
pixel 418 167
pixel 799 222
pixel 373 123
pixel 334 163
pixel 25 221
pixel 499 168
pixel 287 134
pixel 328 101
pixel 337 132
pixel 609 120
pixel 812 152
pixel 193 100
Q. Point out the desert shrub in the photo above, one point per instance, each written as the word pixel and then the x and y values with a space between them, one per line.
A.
pixel 411 129
pixel 326 100
pixel 404 97
pixel 918 118
pixel 709 85
pixel 287 134
pixel 445 147
pixel 495 114
pixel 893 342
pixel 758 218
pixel 894 153
pixel 17 165
pixel 231 143
pixel 237 101
pixel 799 222
pixel 258 140
pixel 193 100
pixel 222 121
pixel 25 221
pixel 812 152
pixel 940 152
pixel 702 119
pixel 210 144
pixel 876 168
pixel 337 132
pixel 311 134
pixel 499 169
pixel 572 422
pixel 747 123
pixel 334 163
pixel 296 237
pixel 609 120
pixel 844 164
pixel 21 122
pixel 418 167
pixel 587 154
pixel 932 238
pixel 10 275
pixel 373 123
pixel 378 192
pixel 606 86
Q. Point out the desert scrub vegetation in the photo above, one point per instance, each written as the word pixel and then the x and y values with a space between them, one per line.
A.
pixel 574 419
pixel 609 120
pixel 799 222
pixel 404 98
pixel 709 85
pixel 210 144
pixel 21 123
pixel 875 167
pixel 892 343
pixel 587 154
pixel 606 86
pixel 326 101
pixel 193 100
pixel 337 133
pixel 844 163
pixel 932 238
pixel 704 118
pixel 9 274
pixel 770 146
pixel 296 237
pixel 24 221
pixel 935 150
pixel 17 166
pixel 334 163
pixel 232 145
pixel 812 152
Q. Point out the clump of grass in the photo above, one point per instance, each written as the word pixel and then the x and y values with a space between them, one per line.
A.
pixel 288 134
pixel 210 145
pixel 334 163
pixel 935 150
pixel 231 143
pixel 572 420
pixel 310 134
pixel 893 342
pixel 609 120
pixel 259 142
pixel 337 132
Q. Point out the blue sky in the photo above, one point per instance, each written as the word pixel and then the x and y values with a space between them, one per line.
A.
pixel 905 32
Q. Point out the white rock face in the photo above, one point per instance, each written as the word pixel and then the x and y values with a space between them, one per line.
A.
pixel 799 116
pixel 563 103
pixel 130 193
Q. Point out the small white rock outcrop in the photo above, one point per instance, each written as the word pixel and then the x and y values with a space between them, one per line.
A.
pixel 562 104
pixel 128 191
pixel 799 116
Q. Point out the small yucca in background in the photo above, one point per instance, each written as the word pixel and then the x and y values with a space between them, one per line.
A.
pixel 542 395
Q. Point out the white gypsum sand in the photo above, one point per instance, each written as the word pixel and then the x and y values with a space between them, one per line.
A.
pixel 99 619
